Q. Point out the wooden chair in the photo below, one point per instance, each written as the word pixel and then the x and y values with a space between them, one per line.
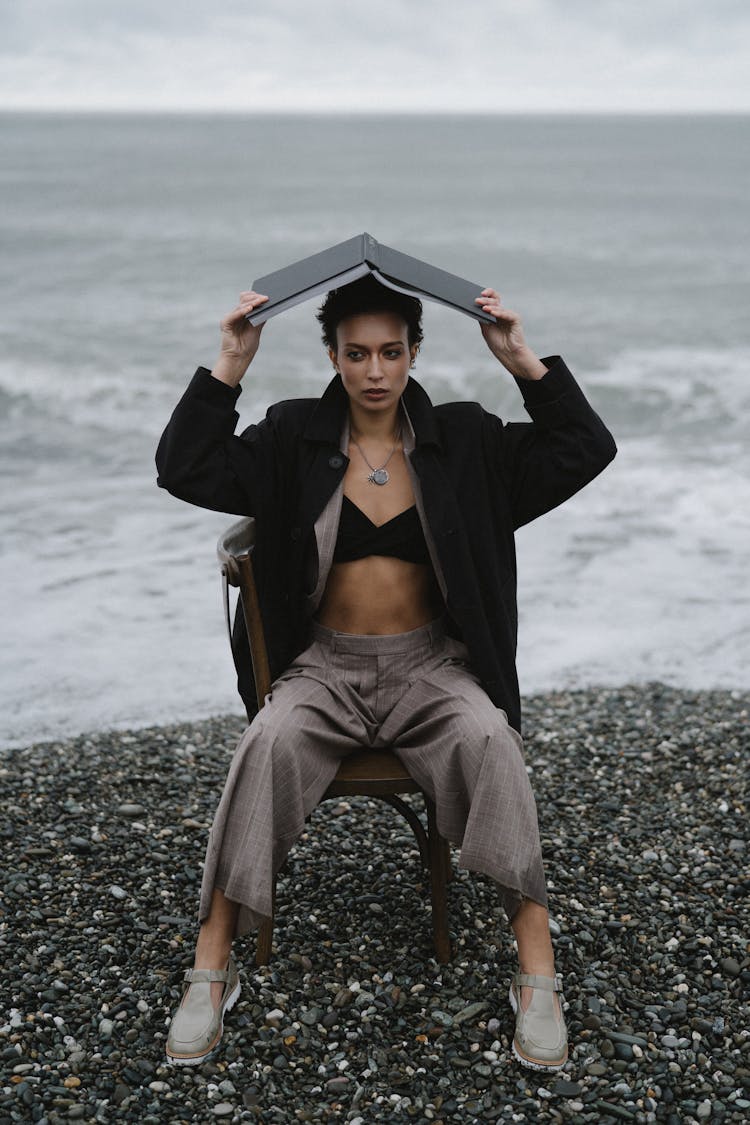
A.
pixel 368 773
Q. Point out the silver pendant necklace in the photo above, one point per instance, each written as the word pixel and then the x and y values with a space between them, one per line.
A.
pixel 381 475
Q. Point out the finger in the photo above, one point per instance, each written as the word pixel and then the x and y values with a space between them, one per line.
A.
pixel 495 309
pixel 499 311
pixel 237 318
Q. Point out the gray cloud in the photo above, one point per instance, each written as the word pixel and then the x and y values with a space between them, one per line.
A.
pixel 506 54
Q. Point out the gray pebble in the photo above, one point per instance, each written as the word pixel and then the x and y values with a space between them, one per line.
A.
pixel 130 809
pixel 338 1085
pixel 470 1012
pixel 565 1089
pixel 625 1037
pixel 596 1069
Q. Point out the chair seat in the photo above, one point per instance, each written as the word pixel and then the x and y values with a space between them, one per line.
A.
pixel 371 773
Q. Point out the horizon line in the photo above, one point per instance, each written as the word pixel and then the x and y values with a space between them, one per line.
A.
pixel 225 111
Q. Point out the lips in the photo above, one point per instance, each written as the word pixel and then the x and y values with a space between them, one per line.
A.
pixel 376 394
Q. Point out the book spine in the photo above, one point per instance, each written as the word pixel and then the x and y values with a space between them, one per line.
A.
pixel 370 250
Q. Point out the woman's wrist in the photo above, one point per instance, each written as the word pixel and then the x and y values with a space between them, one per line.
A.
pixel 525 364
pixel 229 370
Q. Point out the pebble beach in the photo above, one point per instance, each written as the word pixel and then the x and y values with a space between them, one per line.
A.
pixel 642 799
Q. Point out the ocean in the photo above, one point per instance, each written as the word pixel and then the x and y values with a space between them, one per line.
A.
pixel 622 240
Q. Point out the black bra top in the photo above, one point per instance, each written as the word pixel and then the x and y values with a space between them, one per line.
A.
pixel 400 538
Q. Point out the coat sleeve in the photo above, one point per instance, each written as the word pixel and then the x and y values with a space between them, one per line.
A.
pixel 547 460
pixel 201 460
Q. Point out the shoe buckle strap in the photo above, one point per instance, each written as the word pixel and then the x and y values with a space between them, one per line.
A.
pixel 534 980
pixel 206 976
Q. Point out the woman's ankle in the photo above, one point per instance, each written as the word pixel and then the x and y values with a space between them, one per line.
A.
pixel 212 952
pixel 216 934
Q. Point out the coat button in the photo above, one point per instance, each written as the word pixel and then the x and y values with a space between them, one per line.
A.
pixel 336 461
pixel 295 533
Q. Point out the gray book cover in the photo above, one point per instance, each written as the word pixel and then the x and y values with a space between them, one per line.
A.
pixel 346 261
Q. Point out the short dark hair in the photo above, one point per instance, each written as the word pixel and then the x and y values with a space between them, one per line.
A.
pixel 367 295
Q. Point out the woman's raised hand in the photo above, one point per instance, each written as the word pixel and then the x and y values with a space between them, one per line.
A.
pixel 239 340
pixel 506 340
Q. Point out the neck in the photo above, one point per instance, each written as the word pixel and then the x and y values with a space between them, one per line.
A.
pixel 378 427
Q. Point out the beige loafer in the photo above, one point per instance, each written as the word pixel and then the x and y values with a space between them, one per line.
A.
pixel 197 1026
pixel 541 1038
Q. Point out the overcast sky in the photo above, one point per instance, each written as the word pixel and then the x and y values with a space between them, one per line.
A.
pixel 493 55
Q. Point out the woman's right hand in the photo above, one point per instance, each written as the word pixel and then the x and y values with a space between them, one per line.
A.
pixel 239 340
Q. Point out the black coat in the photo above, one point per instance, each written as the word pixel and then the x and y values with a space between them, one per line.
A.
pixel 480 479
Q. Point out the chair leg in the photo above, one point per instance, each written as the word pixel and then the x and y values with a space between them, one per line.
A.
pixel 447 861
pixel 265 934
pixel 439 853
pixel 414 822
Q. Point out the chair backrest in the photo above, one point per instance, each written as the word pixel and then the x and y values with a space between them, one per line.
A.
pixel 234 550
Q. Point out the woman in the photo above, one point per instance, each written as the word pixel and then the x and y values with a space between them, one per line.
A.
pixel 386 573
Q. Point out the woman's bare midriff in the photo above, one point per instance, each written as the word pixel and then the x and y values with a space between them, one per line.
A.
pixel 377 596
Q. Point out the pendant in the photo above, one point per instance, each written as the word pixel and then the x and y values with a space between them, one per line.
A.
pixel 379 476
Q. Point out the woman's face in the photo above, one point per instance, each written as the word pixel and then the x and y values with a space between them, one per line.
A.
pixel 373 357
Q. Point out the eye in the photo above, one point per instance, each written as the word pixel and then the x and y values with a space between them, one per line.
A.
pixel 394 353
pixel 354 355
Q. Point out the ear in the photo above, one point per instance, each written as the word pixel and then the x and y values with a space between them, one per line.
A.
pixel 413 354
pixel 333 356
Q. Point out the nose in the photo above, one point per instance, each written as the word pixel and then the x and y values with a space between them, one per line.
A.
pixel 375 373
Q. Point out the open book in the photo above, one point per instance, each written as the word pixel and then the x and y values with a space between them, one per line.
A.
pixel 341 264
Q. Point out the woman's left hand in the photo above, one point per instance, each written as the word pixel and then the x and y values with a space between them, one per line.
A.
pixel 506 340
